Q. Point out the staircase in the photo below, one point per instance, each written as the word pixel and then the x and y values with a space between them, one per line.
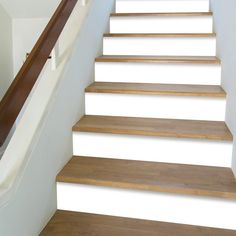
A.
pixel 153 147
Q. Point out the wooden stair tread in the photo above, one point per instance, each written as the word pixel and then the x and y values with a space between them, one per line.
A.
pixel 169 14
pixel 161 59
pixel 156 89
pixel 66 223
pixel 159 35
pixel 211 130
pixel 151 176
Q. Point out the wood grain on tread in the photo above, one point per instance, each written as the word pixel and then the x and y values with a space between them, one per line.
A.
pixel 66 223
pixel 157 89
pixel 169 14
pixel 211 130
pixel 151 176
pixel 160 35
pixel 161 59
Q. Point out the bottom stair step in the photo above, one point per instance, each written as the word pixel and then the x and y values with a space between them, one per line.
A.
pixel 182 194
pixel 65 223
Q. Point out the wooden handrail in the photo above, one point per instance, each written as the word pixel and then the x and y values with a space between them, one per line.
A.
pixel 14 99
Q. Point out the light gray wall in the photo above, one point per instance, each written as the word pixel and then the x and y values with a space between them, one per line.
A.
pixel 6 54
pixel 225 27
pixel 23 41
pixel 34 202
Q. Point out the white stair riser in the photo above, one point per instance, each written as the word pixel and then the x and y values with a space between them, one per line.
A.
pixel 169 150
pixel 160 46
pixel 209 212
pixel 162 24
pixel 155 106
pixel 142 6
pixel 158 73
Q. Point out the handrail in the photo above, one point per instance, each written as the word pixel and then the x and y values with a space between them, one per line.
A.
pixel 20 89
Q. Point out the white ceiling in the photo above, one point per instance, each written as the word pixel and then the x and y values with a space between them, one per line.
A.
pixel 30 8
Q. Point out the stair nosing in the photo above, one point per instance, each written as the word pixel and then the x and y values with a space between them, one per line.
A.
pixel 159 59
pixel 149 128
pixel 159 35
pixel 166 186
pixel 92 224
pixel 93 89
pixel 143 187
pixel 162 14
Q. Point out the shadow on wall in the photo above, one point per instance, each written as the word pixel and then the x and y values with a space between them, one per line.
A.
pixel 3 148
pixel 224 26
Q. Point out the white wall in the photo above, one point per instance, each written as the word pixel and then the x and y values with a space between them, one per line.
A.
pixel 33 202
pixel 6 60
pixel 29 8
pixel 225 27
pixel 25 34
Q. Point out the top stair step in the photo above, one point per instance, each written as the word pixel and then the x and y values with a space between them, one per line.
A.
pixel 128 6
pixel 161 35
pixel 170 14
